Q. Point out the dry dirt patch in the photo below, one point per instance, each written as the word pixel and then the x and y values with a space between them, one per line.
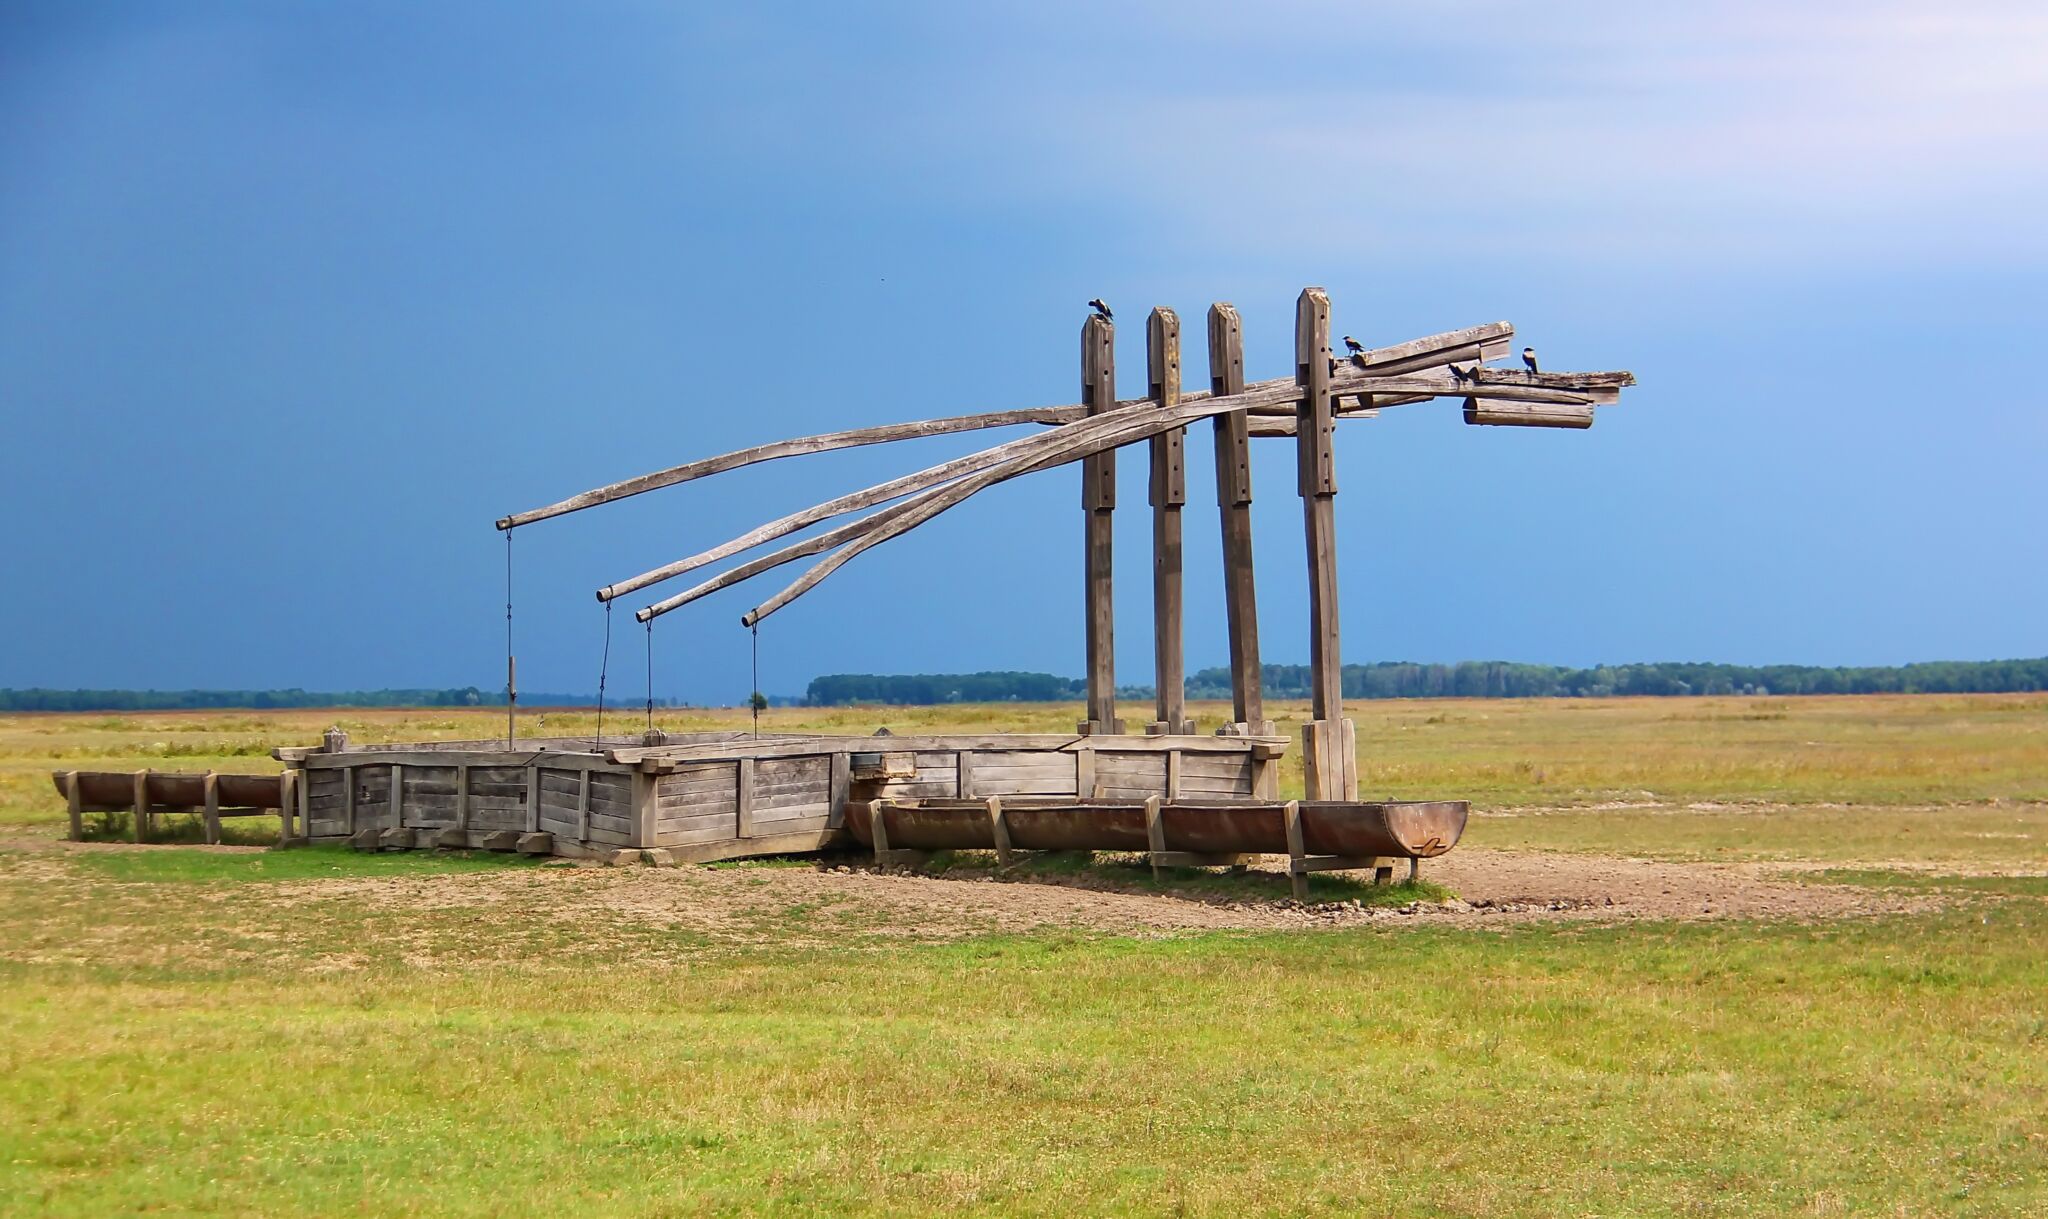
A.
pixel 803 903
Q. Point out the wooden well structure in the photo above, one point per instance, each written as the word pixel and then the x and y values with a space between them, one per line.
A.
pixel 709 796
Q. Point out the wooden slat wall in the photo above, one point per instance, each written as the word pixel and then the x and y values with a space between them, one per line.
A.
pixel 1020 774
pixel 326 803
pixel 1211 776
pixel 1129 776
pixel 789 793
pixel 611 806
pixel 697 804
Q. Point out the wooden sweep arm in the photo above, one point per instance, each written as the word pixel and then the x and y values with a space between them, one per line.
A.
pixel 1470 345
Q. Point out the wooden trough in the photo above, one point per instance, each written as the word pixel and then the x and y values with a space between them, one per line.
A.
pixel 1315 835
pixel 711 796
pixel 148 793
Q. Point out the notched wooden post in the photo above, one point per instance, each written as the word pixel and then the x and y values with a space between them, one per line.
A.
pixel 1330 761
pixel 1098 498
pixel 1234 505
pixel 1169 494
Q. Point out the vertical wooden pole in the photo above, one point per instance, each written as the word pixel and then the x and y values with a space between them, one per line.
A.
pixel 462 799
pixel 1234 503
pixel 1098 499
pixel 842 784
pixel 1330 774
pixel 583 809
pixel 743 798
pixel 210 786
pixel 74 801
pixel 397 795
pixel 1169 493
pixel 141 802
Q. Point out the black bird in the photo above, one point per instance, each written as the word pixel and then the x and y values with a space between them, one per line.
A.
pixel 1102 309
pixel 1461 375
pixel 1529 358
pixel 1353 346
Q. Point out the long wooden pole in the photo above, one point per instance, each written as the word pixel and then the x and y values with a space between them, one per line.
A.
pixel 1168 495
pixel 1098 501
pixel 1468 345
pixel 1330 775
pixel 1234 506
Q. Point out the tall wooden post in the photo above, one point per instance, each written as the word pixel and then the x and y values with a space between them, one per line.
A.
pixel 1329 752
pixel 1234 504
pixel 1169 493
pixel 1098 499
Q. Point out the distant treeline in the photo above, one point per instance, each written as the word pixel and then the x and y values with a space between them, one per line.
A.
pixel 180 700
pixel 1469 679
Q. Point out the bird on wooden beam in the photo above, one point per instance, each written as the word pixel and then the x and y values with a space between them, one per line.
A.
pixel 1353 346
pixel 1101 310
pixel 1529 358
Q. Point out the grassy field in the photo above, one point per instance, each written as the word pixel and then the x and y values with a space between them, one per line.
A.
pixel 325 1033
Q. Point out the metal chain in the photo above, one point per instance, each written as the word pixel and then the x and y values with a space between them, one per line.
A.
pixel 603 671
pixel 511 685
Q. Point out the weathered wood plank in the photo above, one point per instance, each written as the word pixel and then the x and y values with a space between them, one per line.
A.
pixel 1233 500
pixel 1098 500
pixel 743 798
pixel 1168 494
pixel 1493 412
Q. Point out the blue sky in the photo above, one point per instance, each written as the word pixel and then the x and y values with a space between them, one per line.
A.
pixel 296 299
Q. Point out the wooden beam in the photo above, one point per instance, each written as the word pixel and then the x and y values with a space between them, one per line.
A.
pixel 74 806
pixel 1078 441
pixel 1316 481
pixel 1494 412
pixel 1168 495
pixel 790 448
pixel 1234 504
pixel 1098 500
pixel 209 784
pixel 141 802
pixel 1431 351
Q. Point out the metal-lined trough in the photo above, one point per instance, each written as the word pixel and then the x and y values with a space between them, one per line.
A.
pixel 1314 835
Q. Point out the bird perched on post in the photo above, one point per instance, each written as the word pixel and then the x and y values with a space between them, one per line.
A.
pixel 1529 358
pixel 1102 309
pixel 1353 346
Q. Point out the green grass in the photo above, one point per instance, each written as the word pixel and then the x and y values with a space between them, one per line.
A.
pixel 1127 872
pixel 2013 837
pixel 1880 1067
pixel 324 861
pixel 324 1032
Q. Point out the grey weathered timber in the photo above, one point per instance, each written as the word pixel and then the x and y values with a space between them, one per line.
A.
pixel 743 798
pixel 501 840
pixel 798 446
pixel 1098 501
pixel 1168 494
pixel 211 789
pixel 74 803
pixel 1316 480
pixel 1234 504
pixel 397 795
pixel 536 842
pixel 1063 445
pixel 1497 413
pixel 141 803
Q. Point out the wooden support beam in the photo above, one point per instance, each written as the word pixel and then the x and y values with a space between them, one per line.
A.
pixel 1098 500
pixel 397 795
pixel 209 785
pixel 743 797
pixel 74 805
pixel 462 797
pixel 1316 481
pixel 841 783
pixel 1168 495
pixel 1496 413
pixel 1234 504
pixel 999 829
pixel 583 810
pixel 1277 394
pixel 790 448
pixel 141 803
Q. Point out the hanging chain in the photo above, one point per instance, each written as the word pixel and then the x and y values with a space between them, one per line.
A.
pixel 603 671
pixel 511 677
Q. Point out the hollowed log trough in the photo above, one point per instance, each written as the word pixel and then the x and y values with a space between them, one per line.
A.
pixel 1314 835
